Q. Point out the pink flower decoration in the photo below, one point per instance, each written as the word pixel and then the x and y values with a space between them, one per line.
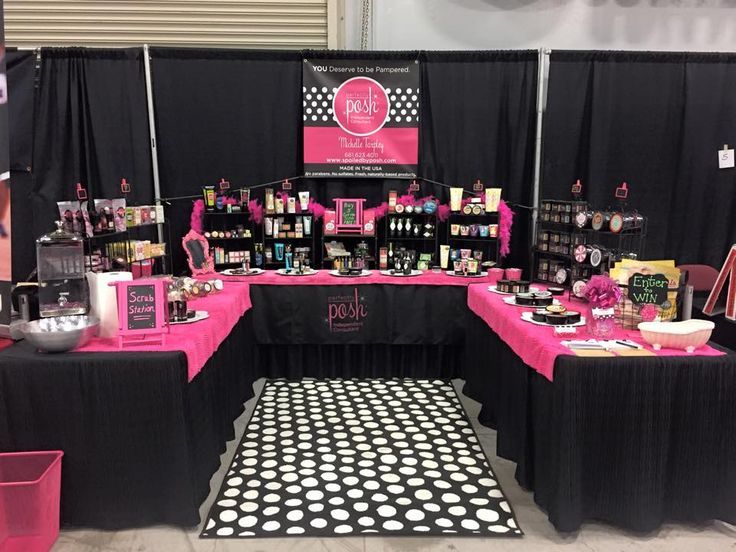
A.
pixel 648 312
pixel 602 292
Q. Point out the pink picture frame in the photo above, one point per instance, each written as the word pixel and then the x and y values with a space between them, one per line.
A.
pixel 197 249
pixel 142 311
pixel 349 215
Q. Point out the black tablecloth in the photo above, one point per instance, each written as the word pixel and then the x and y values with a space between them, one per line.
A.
pixel 140 443
pixel 629 441
pixel 633 442
pixel 402 331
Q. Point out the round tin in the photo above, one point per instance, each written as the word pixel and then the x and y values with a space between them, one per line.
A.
pixel 556 319
pixel 573 317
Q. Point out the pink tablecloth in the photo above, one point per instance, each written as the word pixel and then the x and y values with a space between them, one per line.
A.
pixel 198 340
pixel 324 278
pixel 536 345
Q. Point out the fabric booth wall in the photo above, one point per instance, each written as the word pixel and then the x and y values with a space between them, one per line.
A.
pixel 240 118
pixel 656 121
pixel 91 127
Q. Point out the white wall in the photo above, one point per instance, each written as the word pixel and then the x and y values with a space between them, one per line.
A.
pixel 692 25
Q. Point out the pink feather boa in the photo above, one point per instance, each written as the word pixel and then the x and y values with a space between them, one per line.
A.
pixel 256 211
pixel 381 211
pixel 317 209
pixel 505 220
pixel 195 220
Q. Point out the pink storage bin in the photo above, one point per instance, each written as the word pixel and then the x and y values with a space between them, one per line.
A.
pixel 495 274
pixel 513 274
pixel 142 269
pixel 30 487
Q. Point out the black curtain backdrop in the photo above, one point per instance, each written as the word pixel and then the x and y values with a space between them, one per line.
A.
pixel 656 121
pixel 21 73
pixel 91 127
pixel 237 115
pixel 223 114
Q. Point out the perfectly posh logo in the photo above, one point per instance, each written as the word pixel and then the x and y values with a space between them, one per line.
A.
pixel 361 106
pixel 345 313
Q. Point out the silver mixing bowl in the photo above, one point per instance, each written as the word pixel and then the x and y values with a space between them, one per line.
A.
pixel 61 333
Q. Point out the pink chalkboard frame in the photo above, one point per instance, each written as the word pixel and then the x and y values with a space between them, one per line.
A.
pixel 156 334
pixel 208 266
pixel 342 227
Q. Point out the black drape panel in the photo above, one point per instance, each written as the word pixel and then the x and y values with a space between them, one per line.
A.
pixel 21 73
pixel 237 114
pixel 91 127
pixel 479 122
pixel 654 120
pixel 223 113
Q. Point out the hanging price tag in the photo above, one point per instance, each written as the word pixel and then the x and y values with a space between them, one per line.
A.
pixel 725 159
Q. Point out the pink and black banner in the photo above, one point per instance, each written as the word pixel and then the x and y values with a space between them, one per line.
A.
pixel 361 118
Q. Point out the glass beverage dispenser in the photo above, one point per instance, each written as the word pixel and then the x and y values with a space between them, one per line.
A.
pixel 62 287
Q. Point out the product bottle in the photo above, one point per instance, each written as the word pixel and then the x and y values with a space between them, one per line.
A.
pixel 392 227
pixel 259 255
pixel 390 254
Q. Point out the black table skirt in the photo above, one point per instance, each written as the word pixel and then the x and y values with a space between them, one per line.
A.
pixel 632 442
pixel 407 331
pixel 140 442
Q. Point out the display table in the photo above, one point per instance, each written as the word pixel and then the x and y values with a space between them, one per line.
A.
pixel 632 441
pixel 372 326
pixel 140 439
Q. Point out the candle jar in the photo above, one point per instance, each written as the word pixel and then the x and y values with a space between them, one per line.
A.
pixel 464 230
pixel 600 322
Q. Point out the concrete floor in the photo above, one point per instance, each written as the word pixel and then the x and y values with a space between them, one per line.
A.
pixel 539 533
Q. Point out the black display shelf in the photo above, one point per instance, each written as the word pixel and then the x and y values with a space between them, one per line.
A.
pixel 222 221
pixel 340 237
pixel 271 238
pixel 400 239
pixel 473 239
pixel 552 254
pixel 220 213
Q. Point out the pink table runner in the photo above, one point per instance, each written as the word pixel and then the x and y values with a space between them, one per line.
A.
pixel 198 340
pixel 324 278
pixel 536 345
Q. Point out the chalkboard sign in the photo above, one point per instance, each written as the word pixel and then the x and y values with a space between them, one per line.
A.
pixel 140 302
pixel 648 289
pixel 142 311
pixel 349 213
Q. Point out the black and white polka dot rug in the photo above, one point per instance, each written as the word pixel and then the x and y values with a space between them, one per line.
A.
pixel 359 457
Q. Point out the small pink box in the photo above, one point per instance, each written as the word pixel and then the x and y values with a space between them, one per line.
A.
pixel 495 274
pixel 513 274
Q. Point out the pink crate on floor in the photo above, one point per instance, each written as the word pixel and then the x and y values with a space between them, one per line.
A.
pixel 30 486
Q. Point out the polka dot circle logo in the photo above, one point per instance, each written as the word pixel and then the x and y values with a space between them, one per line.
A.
pixel 361 106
